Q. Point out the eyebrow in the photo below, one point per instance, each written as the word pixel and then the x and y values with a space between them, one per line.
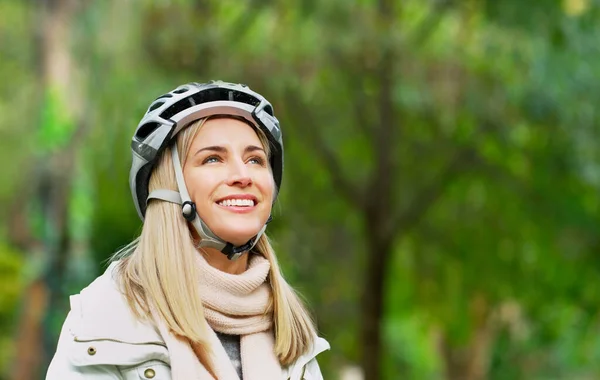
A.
pixel 253 148
pixel 221 149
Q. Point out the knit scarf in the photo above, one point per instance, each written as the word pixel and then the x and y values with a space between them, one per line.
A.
pixel 236 305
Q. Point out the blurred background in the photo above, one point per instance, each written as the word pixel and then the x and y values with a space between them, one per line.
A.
pixel 439 209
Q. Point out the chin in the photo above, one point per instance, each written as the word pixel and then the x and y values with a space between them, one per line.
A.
pixel 238 236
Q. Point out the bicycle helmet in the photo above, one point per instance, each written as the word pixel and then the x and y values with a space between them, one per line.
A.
pixel 168 115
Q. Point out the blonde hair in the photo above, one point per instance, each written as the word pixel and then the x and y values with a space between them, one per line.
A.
pixel 158 270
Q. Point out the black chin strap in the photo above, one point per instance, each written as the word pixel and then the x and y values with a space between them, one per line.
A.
pixel 233 252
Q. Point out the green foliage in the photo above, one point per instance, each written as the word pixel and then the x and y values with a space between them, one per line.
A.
pixel 17 96
pixel 11 264
pixel 57 127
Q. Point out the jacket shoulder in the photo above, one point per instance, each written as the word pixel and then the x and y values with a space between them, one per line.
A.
pixel 101 333
pixel 307 366
pixel 101 311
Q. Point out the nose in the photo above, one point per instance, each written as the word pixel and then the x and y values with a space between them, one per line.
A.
pixel 239 175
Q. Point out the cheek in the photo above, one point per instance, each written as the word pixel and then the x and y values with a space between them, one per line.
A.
pixel 267 187
pixel 198 183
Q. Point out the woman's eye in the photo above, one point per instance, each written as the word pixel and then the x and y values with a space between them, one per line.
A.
pixel 257 161
pixel 211 159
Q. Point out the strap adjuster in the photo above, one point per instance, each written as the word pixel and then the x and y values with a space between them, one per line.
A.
pixel 188 209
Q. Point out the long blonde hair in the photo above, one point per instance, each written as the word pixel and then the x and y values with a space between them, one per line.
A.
pixel 158 269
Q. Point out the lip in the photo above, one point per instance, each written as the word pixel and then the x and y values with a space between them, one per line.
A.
pixel 237 209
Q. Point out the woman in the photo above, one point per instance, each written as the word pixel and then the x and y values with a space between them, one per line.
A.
pixel 199 295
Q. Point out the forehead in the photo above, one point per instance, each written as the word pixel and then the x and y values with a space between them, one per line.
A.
pixel 224 131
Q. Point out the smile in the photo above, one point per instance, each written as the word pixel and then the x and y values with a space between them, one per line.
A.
pixel 237 203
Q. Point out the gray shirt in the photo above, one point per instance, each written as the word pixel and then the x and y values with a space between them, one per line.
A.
pixel 231 343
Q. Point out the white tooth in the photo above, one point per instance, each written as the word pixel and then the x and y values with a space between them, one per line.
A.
pixel 237 202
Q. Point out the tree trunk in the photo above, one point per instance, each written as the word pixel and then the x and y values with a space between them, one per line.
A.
pixel 379 251
pixel 29 357
pixel 36 335
pixel 377 201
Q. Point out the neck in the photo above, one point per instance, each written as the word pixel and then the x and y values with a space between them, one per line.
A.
pixel 219 260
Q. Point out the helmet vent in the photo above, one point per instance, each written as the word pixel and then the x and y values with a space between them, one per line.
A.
pixel 155 105
pixel 210 95
pixel 268 109
pixel 180 91
pixel 145 130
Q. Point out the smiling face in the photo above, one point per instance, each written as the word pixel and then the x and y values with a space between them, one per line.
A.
pixel 228 177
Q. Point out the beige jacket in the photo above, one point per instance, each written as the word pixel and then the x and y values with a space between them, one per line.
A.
pixel 101 339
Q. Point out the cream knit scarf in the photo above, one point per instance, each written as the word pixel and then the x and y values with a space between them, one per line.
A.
pixel 236 305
